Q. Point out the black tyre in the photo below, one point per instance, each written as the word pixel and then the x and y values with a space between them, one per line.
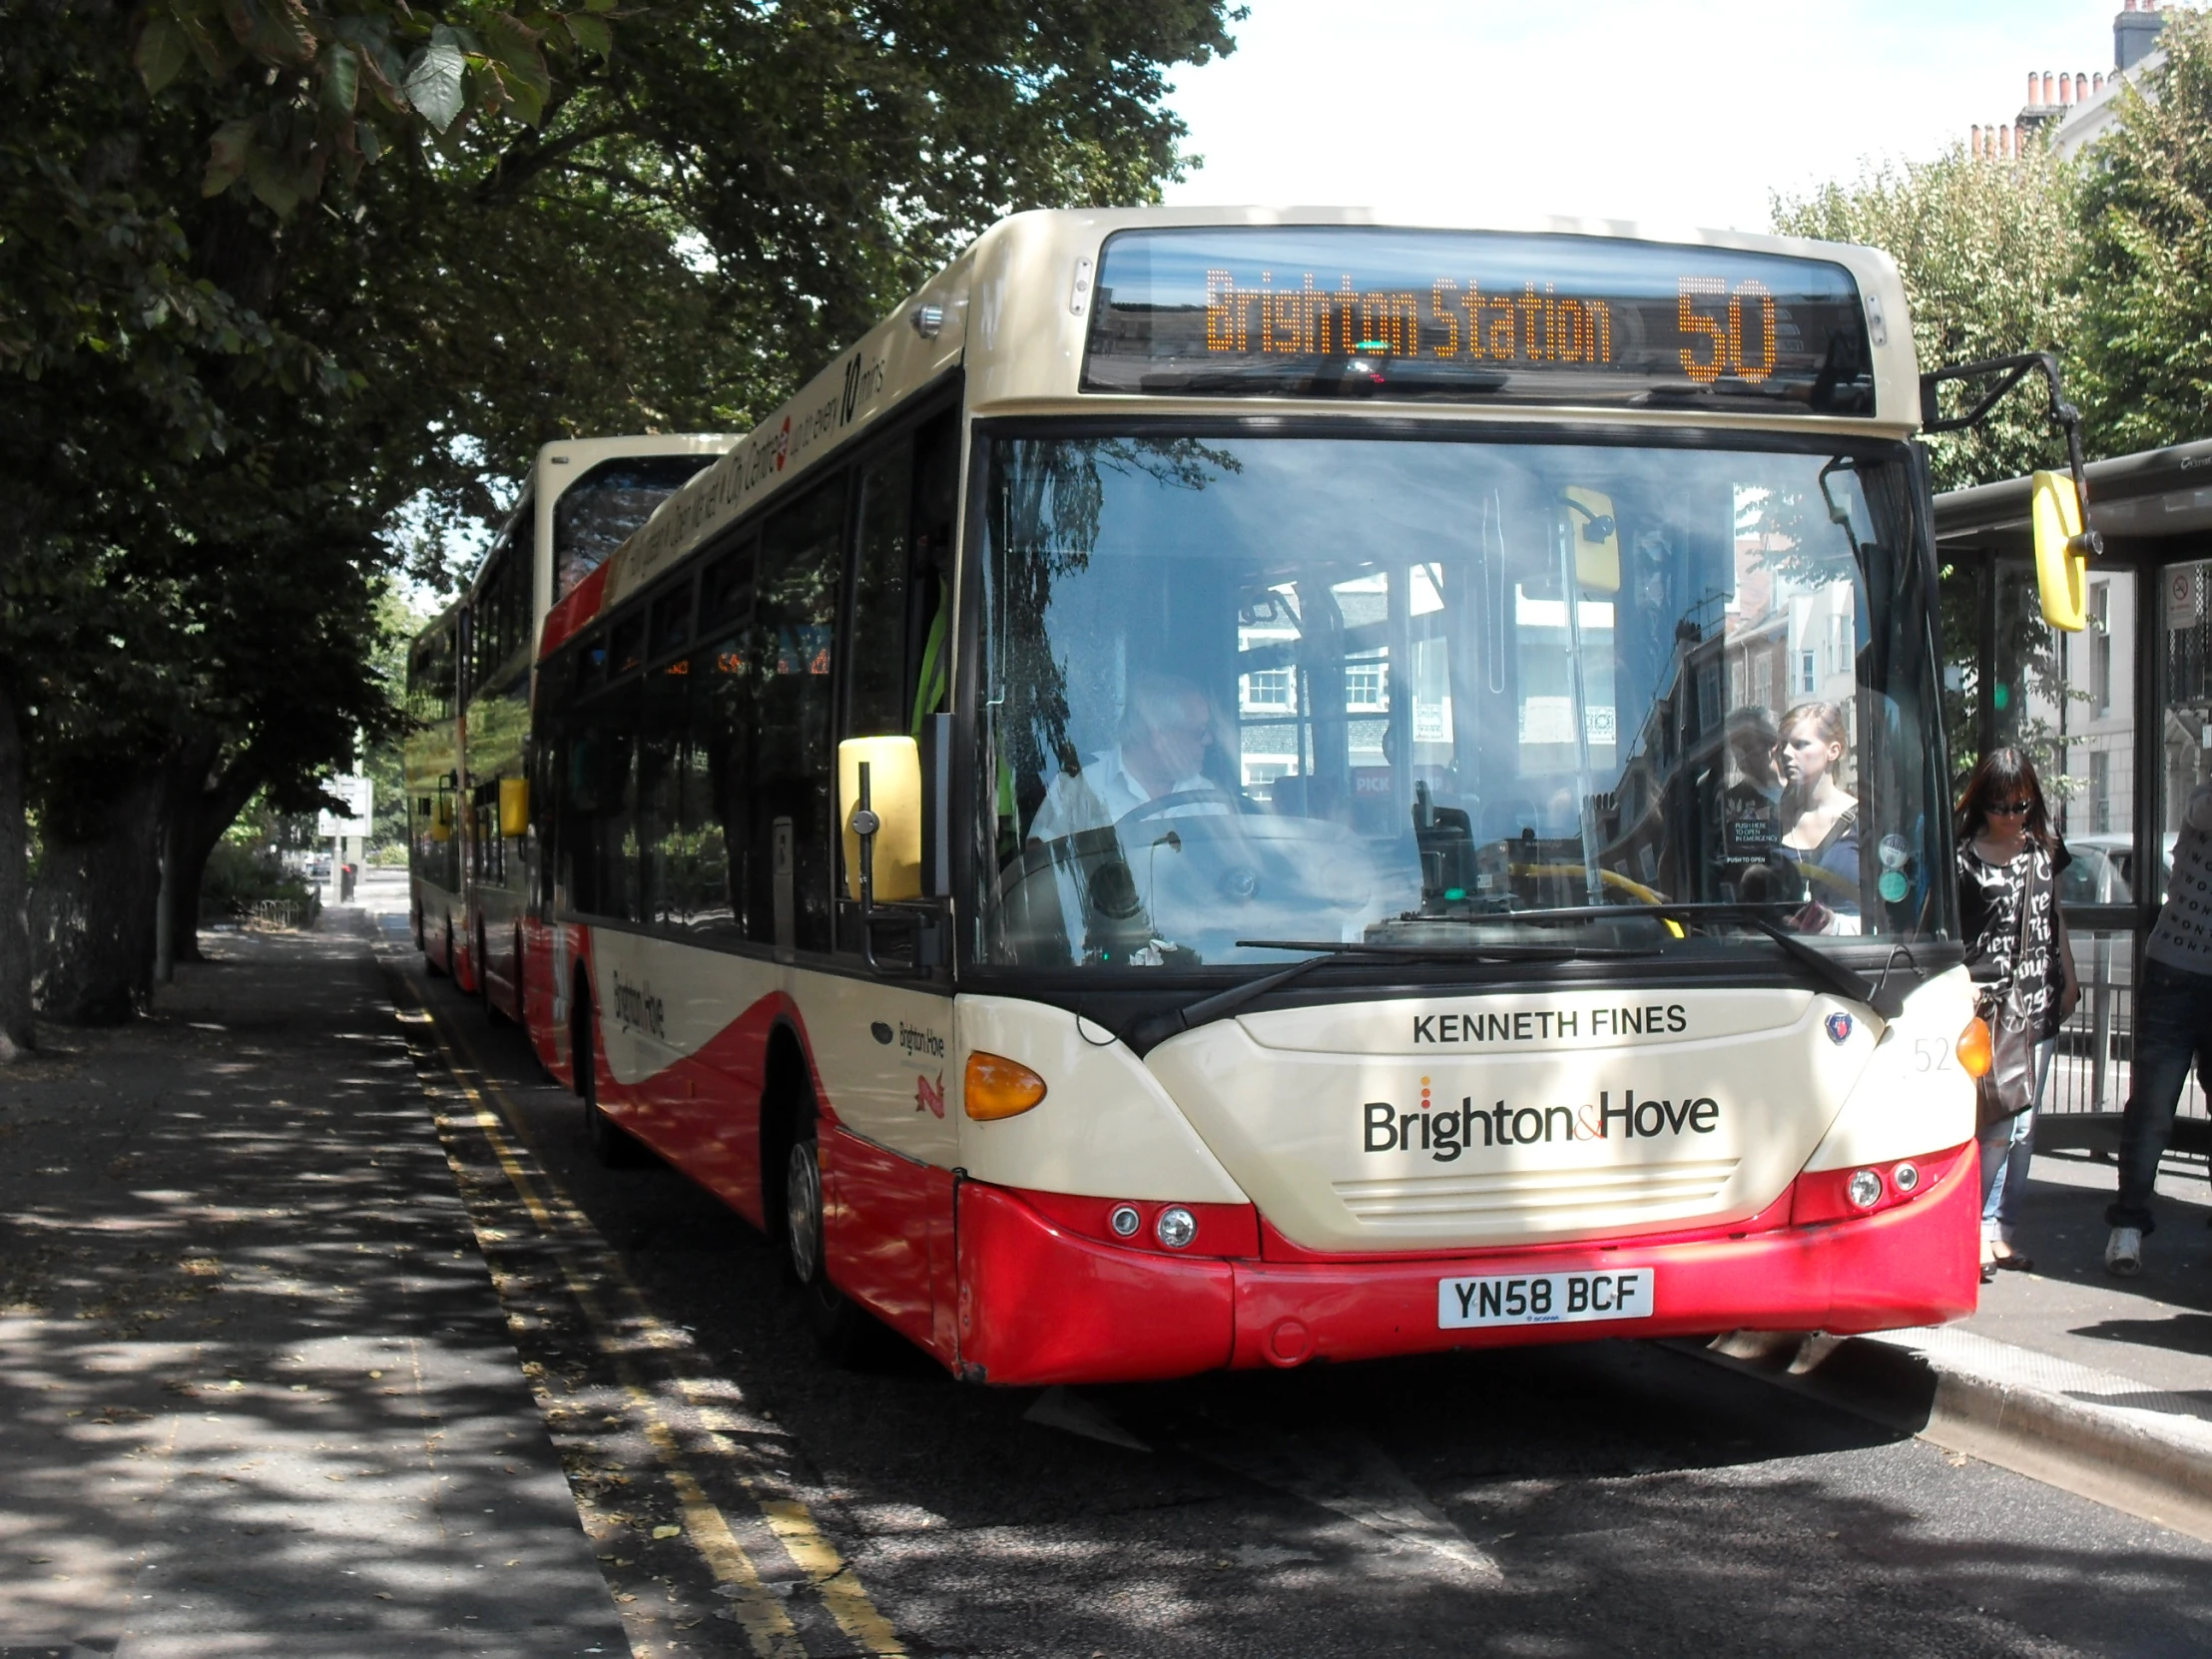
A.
pixel 612 1146
pixel 843 1329
pixel 494 1013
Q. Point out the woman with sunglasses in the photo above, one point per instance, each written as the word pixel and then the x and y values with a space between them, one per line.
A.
pixel 2007 854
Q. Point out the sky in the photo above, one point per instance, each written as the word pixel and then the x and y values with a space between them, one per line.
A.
pixel 1657 111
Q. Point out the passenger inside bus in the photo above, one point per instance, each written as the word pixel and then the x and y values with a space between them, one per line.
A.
pixel 1822 836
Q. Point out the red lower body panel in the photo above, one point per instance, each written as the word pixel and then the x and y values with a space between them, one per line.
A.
pixel 1039 1304
pixel 887 1232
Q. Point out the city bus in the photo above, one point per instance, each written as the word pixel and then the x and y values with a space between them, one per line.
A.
pixel 468 691
pixel 1236 788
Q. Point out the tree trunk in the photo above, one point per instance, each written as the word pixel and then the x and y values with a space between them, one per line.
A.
pixel 201 813
pixel 18 1037
pixel 92 913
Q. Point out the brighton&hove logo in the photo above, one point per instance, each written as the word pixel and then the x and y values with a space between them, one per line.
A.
pixel 1446 1133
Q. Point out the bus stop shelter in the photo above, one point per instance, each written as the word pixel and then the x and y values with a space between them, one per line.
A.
pixel 2118 719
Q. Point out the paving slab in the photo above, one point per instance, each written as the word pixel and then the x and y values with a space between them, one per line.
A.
pixel 256 1392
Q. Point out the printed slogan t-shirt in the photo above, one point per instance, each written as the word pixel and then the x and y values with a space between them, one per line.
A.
pixel 2183 936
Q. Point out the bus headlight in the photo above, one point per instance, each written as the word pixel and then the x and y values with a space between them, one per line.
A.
pixel 1864 1188
pixel 1176 1227
pixel 1906 1176
pixel 1125 1220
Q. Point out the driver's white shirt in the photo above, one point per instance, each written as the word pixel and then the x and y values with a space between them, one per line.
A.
pixel 1100 797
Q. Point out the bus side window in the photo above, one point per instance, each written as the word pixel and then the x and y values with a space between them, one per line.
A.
pixel 717 766
pixel 660 851
pixel 719 752
pixel 792 643
pixel 876 701
pixel 930 598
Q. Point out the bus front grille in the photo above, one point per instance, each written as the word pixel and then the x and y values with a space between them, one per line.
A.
pixel 1441 1201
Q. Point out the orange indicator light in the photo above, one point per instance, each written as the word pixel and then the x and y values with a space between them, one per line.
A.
pixel 996 1087
pixel 1976 1051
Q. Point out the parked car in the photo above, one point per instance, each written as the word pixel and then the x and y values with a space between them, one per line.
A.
pixel 2096 875
pixel 2116 853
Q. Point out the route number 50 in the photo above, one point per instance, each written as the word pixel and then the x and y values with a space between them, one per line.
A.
pixel 1722 350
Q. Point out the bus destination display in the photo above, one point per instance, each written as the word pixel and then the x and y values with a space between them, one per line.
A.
pixel 1350 312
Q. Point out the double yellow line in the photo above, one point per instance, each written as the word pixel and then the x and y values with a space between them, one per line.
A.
pixel 757 1608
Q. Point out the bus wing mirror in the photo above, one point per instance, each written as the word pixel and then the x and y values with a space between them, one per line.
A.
pixel 894 797
pixel 1597 540
pixel 514 806
pixel 2062 561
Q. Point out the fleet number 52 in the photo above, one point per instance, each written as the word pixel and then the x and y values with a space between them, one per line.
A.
pixel 1931 1054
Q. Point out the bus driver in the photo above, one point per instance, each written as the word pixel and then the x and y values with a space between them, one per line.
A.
pixel 1167 725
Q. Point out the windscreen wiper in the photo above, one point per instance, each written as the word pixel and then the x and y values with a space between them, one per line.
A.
pixel 1148 1033
pixel 1832 974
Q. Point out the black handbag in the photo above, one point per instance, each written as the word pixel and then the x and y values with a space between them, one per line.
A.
pixel 2008 1087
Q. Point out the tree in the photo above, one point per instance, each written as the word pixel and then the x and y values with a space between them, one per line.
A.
pixel 1987 249
pixel 272 270
pixel 2146 254
pixel 139 331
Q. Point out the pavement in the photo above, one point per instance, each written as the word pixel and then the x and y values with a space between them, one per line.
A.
pixel 260 1390
pixel 256 1390
pixel 2099 1384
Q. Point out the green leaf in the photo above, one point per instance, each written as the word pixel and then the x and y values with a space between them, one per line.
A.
pixel 342 73
pixel 434 82
pixel 590 34
pixel 277 184
pixel 226 156
pixel 276 31
pixel 162 50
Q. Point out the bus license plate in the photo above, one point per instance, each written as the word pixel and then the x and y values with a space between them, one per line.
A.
pixel 1544 1299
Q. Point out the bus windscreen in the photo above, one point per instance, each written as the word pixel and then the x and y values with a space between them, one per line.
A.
pixel 605 507
pixel 1352 311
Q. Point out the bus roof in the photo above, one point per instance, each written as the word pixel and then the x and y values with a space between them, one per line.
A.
pixel 1014 311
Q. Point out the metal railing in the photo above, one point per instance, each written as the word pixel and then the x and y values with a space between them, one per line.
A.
pixel 2092 1070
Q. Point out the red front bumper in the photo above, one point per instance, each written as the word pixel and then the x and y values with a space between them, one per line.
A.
pixel 1040 1303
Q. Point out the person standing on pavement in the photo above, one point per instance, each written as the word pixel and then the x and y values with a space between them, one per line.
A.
pixel 2009 866
pixel 2173 1027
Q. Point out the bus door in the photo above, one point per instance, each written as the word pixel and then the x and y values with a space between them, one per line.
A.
pixel 886 1051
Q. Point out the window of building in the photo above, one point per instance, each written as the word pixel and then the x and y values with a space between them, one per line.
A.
pixel 1363 685
pixel 2101 647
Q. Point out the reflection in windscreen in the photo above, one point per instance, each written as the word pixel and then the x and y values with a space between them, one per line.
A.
pixel 600 511
pixel 1346 690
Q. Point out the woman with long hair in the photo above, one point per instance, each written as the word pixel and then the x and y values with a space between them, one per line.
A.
pixel 1820 816
pixel 2009 866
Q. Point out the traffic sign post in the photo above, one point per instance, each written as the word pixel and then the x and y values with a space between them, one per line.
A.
pixel 359 797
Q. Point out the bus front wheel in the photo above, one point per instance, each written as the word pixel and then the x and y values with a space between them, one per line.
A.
pixel 612 1146
pixel 841 1325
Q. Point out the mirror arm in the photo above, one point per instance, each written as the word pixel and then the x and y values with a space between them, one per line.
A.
pixel 2063 414
pixel 864 826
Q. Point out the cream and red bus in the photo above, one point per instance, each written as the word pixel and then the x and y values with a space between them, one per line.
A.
pixel 469 692
pixel 1229 788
